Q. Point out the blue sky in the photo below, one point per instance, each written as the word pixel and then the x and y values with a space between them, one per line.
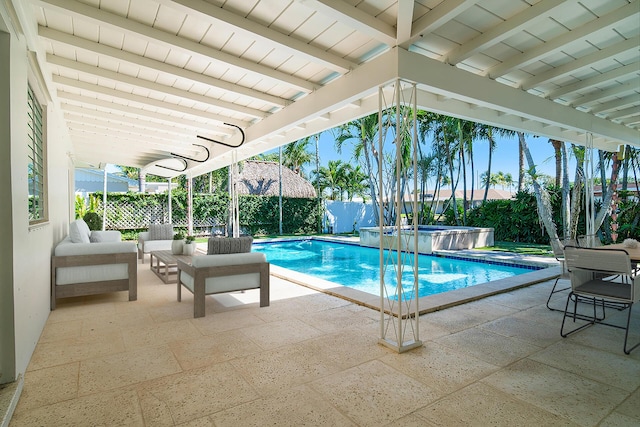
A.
pixel 505 156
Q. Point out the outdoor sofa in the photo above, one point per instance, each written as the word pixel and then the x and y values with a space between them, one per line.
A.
pixel 229 266
pixel 93 262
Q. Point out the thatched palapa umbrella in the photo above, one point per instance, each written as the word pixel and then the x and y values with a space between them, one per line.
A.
pixel 262 178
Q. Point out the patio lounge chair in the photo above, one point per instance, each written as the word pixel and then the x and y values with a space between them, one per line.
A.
pixel 604 275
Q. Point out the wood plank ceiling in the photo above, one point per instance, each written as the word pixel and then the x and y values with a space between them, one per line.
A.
pixel 139 80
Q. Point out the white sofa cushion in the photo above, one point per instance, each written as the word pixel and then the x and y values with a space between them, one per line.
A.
pixel 79 231
pixel 157 245
pixel 226 283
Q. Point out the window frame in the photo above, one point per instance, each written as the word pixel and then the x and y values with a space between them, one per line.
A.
pixel 36 159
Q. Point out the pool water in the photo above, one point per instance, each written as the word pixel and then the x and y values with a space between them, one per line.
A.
pixel 358 267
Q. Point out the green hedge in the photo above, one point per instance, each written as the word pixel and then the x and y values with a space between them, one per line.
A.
pixel 132 212
pixel 517 220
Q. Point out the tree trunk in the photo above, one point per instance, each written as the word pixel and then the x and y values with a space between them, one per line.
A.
pixel 558 155
pixel 577 192
pixel 566 205
pixel 486 187
pixel 543 201
pixel 606 200
pixel 520 161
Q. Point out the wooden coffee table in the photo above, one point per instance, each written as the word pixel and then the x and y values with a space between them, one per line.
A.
pixel 166 264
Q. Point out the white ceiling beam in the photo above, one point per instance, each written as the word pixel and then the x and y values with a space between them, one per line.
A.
pixel 511 26
pixel 583 62
pixel 450 81
pixel 95 122
pixel 157 66
pixel 218 16
pixel 351 87
pixel 88 156
pixel 102 134
pixel 618 103
pixel 107 145
pixel 103 18
pixel 155 87
pixel 628 112
pixel 143 100
pixel 555 45
pixel 616 73
pixel 404 21
pixel 138 112
pixel 137 122
pixel 354 18
pixel 601 94
pixel 436 18
pixel 454 108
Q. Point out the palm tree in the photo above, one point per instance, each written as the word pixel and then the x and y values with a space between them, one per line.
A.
pixel 355 182
pixel 332 177
pixel 363 133
pixel 296 155
pixel 489 133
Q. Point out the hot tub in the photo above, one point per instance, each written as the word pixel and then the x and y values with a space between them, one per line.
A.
pixel 430 237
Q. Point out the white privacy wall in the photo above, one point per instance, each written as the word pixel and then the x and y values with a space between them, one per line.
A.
pixel 345 217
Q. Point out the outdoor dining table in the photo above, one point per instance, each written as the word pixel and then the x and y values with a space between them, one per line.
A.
pixel 634 253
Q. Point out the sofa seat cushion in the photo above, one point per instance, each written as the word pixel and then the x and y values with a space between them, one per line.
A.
pixel 229 245
pixel 161 232
pixel 157 245
pixel 66 248
pixel 226 283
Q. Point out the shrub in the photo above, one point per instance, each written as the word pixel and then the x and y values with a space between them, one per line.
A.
pixel 93 220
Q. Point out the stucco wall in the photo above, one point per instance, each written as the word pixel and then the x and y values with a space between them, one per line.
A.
pixel 25 252
pixel 345 217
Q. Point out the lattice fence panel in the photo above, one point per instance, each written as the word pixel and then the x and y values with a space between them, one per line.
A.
pixel 128 216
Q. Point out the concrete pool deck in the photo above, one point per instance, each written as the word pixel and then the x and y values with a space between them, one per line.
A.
pixel 314 359
pixel 429 304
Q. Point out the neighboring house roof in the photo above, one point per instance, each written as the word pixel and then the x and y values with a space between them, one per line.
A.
pixel 597 189
pixel 262 178
pixel 89 180
pixel 478 195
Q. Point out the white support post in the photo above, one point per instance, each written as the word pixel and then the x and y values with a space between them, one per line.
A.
pixel 235 210
pixel 399 308
pixel 169 199
pixel 104 200
pixel 590 213
pixel 189 205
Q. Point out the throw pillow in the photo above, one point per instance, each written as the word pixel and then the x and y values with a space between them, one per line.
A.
pixel 79 231
pixel 229 245
pixel 161 232
pixel 95 237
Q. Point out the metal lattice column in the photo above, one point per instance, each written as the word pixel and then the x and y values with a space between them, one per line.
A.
pixel 399 311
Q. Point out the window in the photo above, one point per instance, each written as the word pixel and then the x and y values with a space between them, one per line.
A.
pixel 37 161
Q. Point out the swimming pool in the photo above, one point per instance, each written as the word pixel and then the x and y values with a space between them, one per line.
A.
pixel 358 267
